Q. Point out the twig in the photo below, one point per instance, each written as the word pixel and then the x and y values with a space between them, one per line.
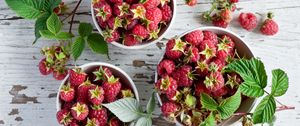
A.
pixel 73 15
pixel 275 99
pixel 284 107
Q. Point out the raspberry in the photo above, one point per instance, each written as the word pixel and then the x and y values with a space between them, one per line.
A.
pixel 80 111
pixel 214 81
pixel 96 95
pixel 175 48
pixel 45 67
pixel 111 35
pixel 219 22
pixel 169 109
pixel 114 122
pixel 140 31
pixel 194 37
pixel 114 23
pixel 151 3
pixel 129 22
pixel 99 113
pixel 184 76
pixel 166 13
pixel 60 74
pixel 77 77
pixel 212 37
pixel 225 15
pixel 121 9
pixel 221 92
pixel 192 55
pixel 63 117
pixel 92 122
pixel 207 50
pixel 166 84
pixel 154 15
pixel 217 64
pixel 132 1
pixel 116 1
pixel 101 23
pixel 111 88
pixel 269 27
pixel 248 21
pixel 165 67
pixel 201 88
pixel 130 40
pixel 67 93
pixel 83 91
pixel 202 68
pixel 191 2
pixel 104 11
pixel 138 11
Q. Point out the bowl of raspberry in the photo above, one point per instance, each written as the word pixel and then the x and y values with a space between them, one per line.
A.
pixel 84 90
pixel 133 24
pixel 193 71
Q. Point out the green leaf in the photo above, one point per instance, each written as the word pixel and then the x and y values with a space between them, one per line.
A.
pixel 254 75
pixel 97 44
pixel 64 36
pixel 51 4
pixel 77 47
pixel 265 110
pixel 30 9
pixel 40 24
pixel 190 101
pixel 208 102
pixel 144 121
pixel 54 24
pixel 228 106
pixel 126 109
pixel 280 82
pixel 85 29
pixel 209 121
pixel 47 34
pixel 151 104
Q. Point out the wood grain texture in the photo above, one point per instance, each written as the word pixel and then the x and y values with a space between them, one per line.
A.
pixel 28 98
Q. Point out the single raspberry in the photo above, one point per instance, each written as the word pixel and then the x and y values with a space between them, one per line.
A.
pixel 140 32
pixel 248 21
pixel 74 122
pixel 214 81
pixel 150 3
pixel 130 40
pixel 80 111
pixel 228 40
pixel 99 113
pixel 114 121
pixel 111 35
pixel 154 15
pixel 201 88
pixel 173 95
pixel 225 47
pixel 202 68
pixel 191 2
pixel 233 80
pixel 96 95
pixel 217 64
pixel 67 93
pixel 169 109
pixel 45 67
pixel 164 2
pixel 166 84
pixel 210 36
pixel 67 105
pixel 175 48
pixel 194 37
pixel 165 67
pixel 114 23
pixel 121 9
pixel 191 55
pixel 111 88
pixel 116 1
pixel 77 77
pixel 132 1
pixel 83 91
pixel 219 22
pixel 129 22
pixel 60 73
pixel 234 1
pixel 184 76
pixel 269 27
pixel 152 26
pixel 226 15
pixel 221 92
pixel 104 11
pixel 138 11
pixel 63 117
pixel 101 74
pixel 101 23
pixel 92 122
pixel 166 13
pixel 207 50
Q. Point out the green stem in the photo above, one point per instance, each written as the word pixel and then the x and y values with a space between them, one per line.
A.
pixel 275 99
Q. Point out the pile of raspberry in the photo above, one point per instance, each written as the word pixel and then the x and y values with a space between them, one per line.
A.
pixel 132 22
pixel 192 65
pixel 81 98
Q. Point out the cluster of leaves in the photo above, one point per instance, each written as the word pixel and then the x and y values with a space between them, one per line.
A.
pixel 48 25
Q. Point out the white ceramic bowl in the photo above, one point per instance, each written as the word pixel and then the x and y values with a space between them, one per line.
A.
pixel 126 80
pixel 243 50
pixel 144 44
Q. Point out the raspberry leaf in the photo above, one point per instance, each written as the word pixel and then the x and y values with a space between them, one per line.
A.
pixel 47 34
pixel 49 5
pixel 97 43
pixel 77 47
pixel 126 109
pixel 53 23
pixel 85 29
pixel 254 75
pixel 208 102
pixel 265 110
pixel 40 24
pixel 29 9
pixel 151 104
pixel 144 121
pixel 209 121
pixel 280 82
pixel 64 36
pixel 229 105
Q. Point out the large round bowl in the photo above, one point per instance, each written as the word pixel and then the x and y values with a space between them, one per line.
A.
pixel 115 70
pixel 161 34
pixel 244 51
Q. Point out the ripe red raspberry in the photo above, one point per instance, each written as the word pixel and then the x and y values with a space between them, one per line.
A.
pixel 184 76
pixel 217 64
pixel 219 22
pixel 101 23
pixel 130 40
pixel 114 23
pixel 234 1
pixel 67 93
pixel 92 122
pixel 138 11
pixel 77 77
pixel 166 13
pixel 60 74
pixel 151 3
pixel 67 105
pixel 104 11
pixel 154 15
pixel 132 1
pixel 225 48
pixel 152 27
pixel 83 91
pixel 221 92
pixel 202 68
pixel 44 67
pixel 63 117
pixel 129 22
pixel 101 74
pixel 228 40
pixel 74 122
pixel 121 9
pixel 207 50
pixel 111 35
pixel 80 111
pixel 225 15
pixel 166 84
pixel 269 27
pixel 175 48
pixel 99 113
pixel 165 67
pixel 111 88
pixel 116 1
pixel 191 55
pixel 140 31
pixel 194 37
pixel 114 122
pixel 96 95
pixel 208 35
pixel 169 109
pixel 191 2
pixel 173 95
pixel 248 21
pixel 214 81
pixel 201 88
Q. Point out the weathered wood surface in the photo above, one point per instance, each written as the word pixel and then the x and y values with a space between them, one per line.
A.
pixel 27 98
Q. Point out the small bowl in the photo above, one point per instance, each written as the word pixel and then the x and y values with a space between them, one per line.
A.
pixel 161 34
pixel 243 50
pixel 115 70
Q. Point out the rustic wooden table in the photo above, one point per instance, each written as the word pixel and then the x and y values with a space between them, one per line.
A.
pixel 28 98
